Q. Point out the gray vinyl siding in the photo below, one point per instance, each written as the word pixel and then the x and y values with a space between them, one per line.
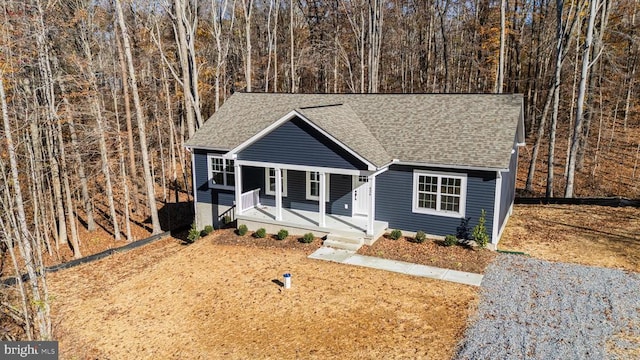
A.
pixel 508 189
pixel 204 193
pixel 296 142
pixel 339 191
pixel 394 195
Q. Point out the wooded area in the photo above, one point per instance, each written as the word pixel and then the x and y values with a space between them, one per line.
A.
pixel 99 96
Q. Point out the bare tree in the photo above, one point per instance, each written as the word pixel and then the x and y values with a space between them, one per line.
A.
pixel 376 13
pixel 586 58
pixel 247 10
pixel 32 257
pixel 503 25
pixel 151 197
pixel 222 38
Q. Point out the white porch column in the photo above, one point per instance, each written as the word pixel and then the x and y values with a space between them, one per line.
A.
pixel 237 172
pixel 323 199
pixel 372 206
pixel 278 173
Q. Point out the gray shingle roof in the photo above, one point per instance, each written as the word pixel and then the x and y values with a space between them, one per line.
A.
pixel 345 125
pixel 461 130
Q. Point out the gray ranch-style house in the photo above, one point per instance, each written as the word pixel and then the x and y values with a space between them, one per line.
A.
pixel 356 165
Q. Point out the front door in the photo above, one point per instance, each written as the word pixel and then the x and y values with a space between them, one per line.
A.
pixel 361 195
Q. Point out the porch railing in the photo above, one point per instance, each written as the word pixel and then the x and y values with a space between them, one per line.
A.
pixel 227 218
pixel 249 200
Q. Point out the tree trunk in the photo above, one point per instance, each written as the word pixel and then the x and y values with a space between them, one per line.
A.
pixel 375 43
pixel 183 49
pixel 539 135
pixel 133 174
pixel 247 7
pixel 38 281
pixel 589 111
pixel 503 25
pixel 79 164
pixel 586 56
pixel 151 197
pixel 75 240
pixel 292 49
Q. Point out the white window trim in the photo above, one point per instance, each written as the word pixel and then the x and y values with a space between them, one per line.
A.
pixel 224 173
pixel 437 211
pixel 308 195
pixel 267 182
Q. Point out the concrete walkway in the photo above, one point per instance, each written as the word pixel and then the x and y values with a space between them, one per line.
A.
pixel 351 258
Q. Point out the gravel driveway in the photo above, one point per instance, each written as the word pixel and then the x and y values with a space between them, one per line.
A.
pixel 535 309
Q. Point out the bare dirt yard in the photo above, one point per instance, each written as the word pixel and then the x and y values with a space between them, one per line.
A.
pixel 221 297
pixel 588 235
pixel 215 299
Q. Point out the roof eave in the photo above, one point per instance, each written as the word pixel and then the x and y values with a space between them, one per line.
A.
pixel 452 166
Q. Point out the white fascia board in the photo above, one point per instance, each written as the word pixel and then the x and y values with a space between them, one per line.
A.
pixel 209 148
pixel 298 167
pixel 287 117
pixel 445 166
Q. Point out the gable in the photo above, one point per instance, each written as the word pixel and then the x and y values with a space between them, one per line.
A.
pixel 298 143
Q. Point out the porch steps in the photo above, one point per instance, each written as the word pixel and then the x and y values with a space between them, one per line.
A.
pixel 343 242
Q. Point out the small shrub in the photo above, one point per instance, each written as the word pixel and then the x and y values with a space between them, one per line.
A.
pixel 194 234
pixel 480 231
pixel 226 220
pixel 450 240
pixel 242 230
pixel 462 231
pixel 307 238
pixel 260 233
pixel 282 234
pixel 420 237
pixel 395 234
pixel 207 230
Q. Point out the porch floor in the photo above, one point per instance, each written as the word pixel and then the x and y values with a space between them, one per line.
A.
pixel 334 224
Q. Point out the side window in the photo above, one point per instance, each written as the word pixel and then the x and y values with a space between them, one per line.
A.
pixel 221 172
pixel 270 181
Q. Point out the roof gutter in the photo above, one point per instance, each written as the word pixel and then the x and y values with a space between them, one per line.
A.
pixel 385 167
pixel 191 147
pixel 460 167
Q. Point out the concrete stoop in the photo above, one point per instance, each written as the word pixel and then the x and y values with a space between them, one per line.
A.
pixel 343 242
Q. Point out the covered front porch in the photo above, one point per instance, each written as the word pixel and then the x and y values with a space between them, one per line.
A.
pixel 299 222
pixel 307 198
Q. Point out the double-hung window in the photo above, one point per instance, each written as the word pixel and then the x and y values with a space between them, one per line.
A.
pixel 313 185
pixel 221 172
pixel 439 193
pixel 270 181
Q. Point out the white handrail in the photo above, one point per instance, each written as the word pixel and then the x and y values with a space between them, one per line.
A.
pixel 249 199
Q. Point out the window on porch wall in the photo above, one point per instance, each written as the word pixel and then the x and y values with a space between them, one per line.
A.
pixel 313 186
pixel 270 181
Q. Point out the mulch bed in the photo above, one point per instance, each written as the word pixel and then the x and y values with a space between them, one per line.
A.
pixel 431 253
pixel 229 237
